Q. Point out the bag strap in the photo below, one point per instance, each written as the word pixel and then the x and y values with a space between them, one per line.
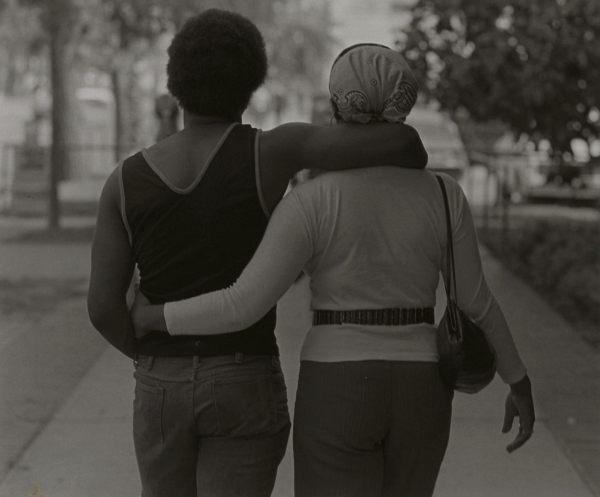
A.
pixel 450 270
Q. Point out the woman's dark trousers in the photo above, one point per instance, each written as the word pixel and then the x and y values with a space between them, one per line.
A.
pixel 370 428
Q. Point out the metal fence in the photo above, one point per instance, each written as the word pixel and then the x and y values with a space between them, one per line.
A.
pixel 25 171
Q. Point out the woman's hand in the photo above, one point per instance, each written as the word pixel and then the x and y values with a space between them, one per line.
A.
pixel 519 402
pixel 142 314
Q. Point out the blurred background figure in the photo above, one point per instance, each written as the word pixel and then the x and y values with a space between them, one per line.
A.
pixel 167 111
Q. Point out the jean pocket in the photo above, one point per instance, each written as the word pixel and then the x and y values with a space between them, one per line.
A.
pixel 147 412
pixel 245 406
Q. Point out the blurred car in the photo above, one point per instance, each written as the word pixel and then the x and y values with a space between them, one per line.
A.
pixel 442 140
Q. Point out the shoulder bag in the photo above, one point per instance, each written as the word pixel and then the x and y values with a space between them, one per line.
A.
pixel 467 359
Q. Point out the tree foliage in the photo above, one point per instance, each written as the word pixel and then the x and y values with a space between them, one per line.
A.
pixel 58 21
pixel 299 44
pixel 21 46
pixel 297 36
pixel 119 33
pixel 116 35
pixel 533 64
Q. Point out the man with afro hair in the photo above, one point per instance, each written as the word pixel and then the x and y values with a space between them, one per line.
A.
pixel 210 412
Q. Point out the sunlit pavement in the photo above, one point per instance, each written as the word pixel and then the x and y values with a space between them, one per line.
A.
pixel 71 432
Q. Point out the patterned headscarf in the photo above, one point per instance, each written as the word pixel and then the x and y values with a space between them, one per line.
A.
pixel 371 83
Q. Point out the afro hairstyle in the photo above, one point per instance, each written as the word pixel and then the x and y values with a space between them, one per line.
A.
pixel 216 62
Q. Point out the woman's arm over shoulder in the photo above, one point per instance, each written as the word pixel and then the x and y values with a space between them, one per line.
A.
pixel 284 250
pixel 292 147
pixel 112 270
pixel 474 295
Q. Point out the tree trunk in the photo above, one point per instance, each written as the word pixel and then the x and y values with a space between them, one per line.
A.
pixel 121 82
pixel 58 152
pixel 118 113
pixel 59 19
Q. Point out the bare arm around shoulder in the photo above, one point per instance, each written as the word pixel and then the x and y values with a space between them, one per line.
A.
pixel 292 147
pixel 112 270
pixel 281 255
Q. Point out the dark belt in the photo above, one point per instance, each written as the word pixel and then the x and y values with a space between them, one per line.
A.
pixel 382 317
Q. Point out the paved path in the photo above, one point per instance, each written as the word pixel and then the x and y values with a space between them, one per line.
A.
pixel 23 259
pixel 42 363
pixel 81 442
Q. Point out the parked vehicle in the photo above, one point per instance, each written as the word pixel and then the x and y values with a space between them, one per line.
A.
pixel 442 140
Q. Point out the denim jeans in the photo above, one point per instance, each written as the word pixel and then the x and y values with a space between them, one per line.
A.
pixel 209 426
pixel 369 429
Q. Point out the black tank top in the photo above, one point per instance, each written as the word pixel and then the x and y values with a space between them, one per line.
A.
pixel 193 241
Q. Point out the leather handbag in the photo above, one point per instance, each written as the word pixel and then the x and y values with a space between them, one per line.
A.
pixel 467 359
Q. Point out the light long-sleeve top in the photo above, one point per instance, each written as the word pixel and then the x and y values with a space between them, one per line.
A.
pixel 368 239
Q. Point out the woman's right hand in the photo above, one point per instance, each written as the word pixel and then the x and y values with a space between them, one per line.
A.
pixel 519 402
pixel 146 317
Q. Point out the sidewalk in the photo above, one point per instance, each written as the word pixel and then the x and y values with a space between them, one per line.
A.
pixel 38 260
pixel 87 449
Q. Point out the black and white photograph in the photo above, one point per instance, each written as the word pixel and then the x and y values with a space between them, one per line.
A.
pixel 299 248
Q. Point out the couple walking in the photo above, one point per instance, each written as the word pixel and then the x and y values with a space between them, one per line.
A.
pixel 203 216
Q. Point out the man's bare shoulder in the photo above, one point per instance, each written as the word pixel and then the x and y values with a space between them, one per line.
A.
pixel 111 192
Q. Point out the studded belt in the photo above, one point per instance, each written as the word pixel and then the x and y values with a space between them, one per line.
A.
pixel 381 317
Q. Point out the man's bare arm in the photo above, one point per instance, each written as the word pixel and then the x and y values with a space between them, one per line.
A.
pixel 292 147
pixel 112 270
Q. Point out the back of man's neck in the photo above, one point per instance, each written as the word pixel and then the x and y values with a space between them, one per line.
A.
pixel 192 120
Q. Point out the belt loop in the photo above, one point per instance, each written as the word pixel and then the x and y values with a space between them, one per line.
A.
pixel 197 362
pixel 239 357
pixel 150 362
pixel 135 360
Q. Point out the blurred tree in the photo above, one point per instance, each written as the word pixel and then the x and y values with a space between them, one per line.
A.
pixel 112 35
pixel 118 34
pixel 479 136
pixel 298 43
pixel 260 12
pixel 21 46
pixel 166 110
pixel 533 64
pixel 58 19
pixel 121 32
pixel 299 46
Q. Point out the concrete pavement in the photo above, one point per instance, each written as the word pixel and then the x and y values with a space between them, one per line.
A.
pixel 86 446
pixel 28 259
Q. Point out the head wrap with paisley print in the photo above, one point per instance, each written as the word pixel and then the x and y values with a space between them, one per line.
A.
pixel 370 83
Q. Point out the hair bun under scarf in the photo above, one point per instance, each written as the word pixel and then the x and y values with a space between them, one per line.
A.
pixel 370 83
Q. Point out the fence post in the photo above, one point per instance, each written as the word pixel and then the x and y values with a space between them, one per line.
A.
pixel 486 200
pixel 505 191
